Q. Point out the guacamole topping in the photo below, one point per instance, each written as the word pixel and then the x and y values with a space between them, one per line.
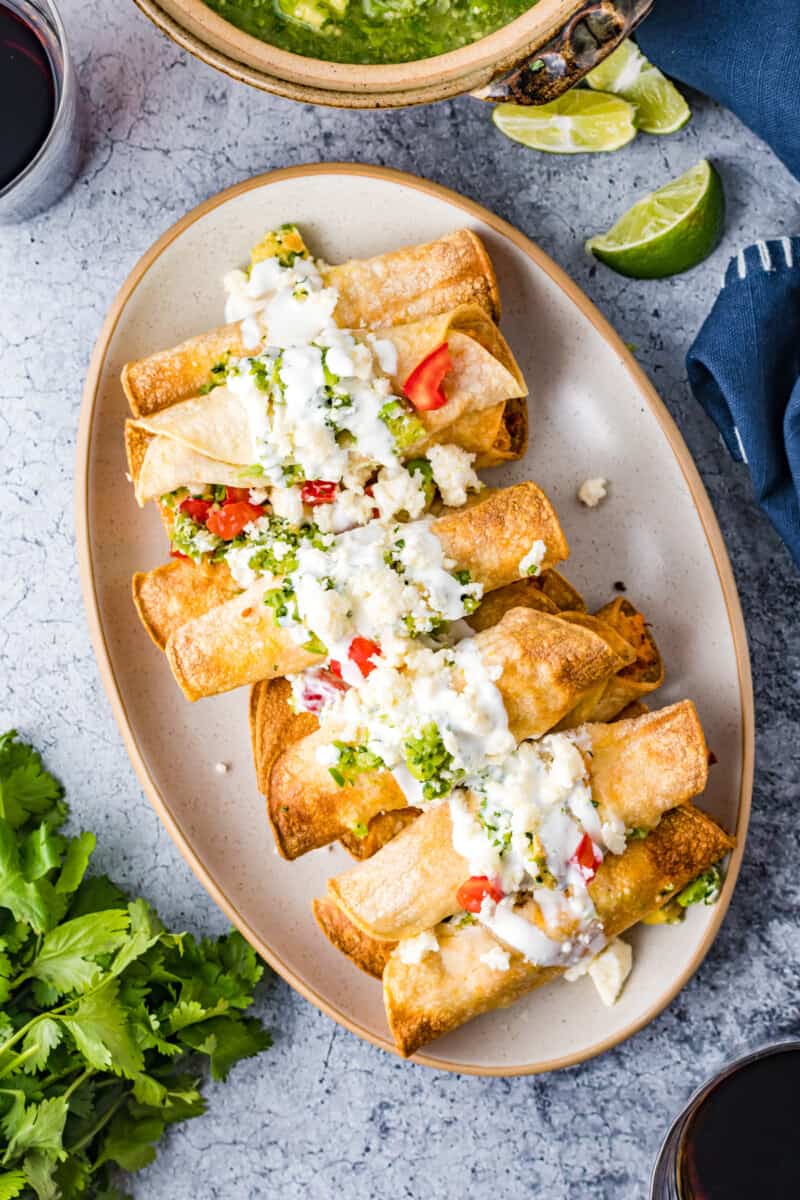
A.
pixel 369 31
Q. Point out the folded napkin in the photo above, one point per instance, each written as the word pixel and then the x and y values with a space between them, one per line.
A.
pixel 744 368
pixel 743 53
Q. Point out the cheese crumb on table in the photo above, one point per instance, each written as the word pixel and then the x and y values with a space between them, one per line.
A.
pixel 222 768
pixel 593 491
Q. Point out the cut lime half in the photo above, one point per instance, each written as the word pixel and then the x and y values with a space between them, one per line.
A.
pixel 667 231
pixel 579 122
pixel 660 108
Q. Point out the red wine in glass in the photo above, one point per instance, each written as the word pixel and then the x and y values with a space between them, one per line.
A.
pixel 27 94
pixel 39 111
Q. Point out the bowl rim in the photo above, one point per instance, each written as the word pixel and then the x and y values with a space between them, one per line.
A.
pixel 697 491
pixel 219 43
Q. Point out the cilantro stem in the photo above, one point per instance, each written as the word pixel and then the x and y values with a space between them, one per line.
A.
pixel 76 1083
pixel 19 1059
pixel 99 1124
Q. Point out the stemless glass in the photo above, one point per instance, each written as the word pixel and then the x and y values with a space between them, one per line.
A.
pixel 755 1137
pixel 55 164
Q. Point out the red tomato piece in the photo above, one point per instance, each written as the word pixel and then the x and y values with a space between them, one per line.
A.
pixel 471 895
pixel 585 858
pixel 424 385
pixel 362 650
pixel 179 554
pixel 335 668
pixel 319 688
pixel 318 491
pixel 196 509
pixel 229 521
pixel 233 495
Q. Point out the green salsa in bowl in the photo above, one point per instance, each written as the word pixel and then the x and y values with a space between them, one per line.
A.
pixel 369 31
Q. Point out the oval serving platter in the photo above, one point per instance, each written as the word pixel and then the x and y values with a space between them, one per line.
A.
pixel 592 412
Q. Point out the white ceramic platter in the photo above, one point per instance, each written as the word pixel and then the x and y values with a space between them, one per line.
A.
pixel 592 412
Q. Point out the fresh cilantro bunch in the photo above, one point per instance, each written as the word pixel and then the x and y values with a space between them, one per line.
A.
pixel 105 1017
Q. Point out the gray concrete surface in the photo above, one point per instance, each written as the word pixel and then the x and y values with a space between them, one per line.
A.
pixel 323 1115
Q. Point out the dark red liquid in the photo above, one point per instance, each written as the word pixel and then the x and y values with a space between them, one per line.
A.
pixel 742 1143
pixel 27 94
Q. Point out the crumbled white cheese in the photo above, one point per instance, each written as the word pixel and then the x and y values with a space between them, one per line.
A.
pixel 610 969
pixel 412 950
pixel 496 958
pixel 453 473
pixel 593 491
pixel 531 564
pixel 222 768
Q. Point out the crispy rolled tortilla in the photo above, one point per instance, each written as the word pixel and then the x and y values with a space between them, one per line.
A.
pixel 397 288
pixel 208 438
pixel 448 988
pixel 179 591
pixel 639 769
pixel 545 662
pixel 238 642
pixel 368 953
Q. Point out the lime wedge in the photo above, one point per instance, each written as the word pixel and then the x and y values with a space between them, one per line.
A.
pixel 660 108
pixel 667 231
pixel 578 122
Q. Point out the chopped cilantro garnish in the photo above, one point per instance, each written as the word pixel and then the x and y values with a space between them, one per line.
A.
pixel 217 377
pixel 360 830
pixel 279 599
pixel 352 761
pixel 292 474
pixel 315 646
pixel 405 428
pixel 421 467
pixel 705 889
pixel 634 835
pixel 431 763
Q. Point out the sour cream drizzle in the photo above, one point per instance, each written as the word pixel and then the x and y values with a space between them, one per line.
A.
pixel 521 822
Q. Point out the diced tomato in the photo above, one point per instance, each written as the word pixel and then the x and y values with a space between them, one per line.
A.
pixel 319 687
pixel 362 650
pixel 229 521
pixel 424 385
pixel 234 495
pixel 318 491
pixel 471 895
pixel 196 509
pixel 376 512
pixel 586 858
pixel 179 554
pixel 335 668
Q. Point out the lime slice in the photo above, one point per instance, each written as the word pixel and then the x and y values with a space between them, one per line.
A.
pixel 667 231
pixel 660 108
pixel 578 122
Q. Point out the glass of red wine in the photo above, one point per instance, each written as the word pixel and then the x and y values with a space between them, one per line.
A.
pixel 736 1136
pixel 39 127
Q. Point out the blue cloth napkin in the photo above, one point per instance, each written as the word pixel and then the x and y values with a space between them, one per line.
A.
pixel 744 368
pixel 743 53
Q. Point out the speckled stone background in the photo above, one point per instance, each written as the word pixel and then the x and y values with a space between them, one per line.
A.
pixel 323 1115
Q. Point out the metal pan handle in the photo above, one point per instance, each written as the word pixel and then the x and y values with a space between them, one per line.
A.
pixel 589 36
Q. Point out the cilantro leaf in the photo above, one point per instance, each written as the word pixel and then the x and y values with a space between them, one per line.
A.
pixel 37 1044
pixel 28 902
pixel 99 1028
pixel 79 851
pixel 11 1184
pixel 37 1127
pixel 227 1040
pixel 66 960
pixel 25 787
